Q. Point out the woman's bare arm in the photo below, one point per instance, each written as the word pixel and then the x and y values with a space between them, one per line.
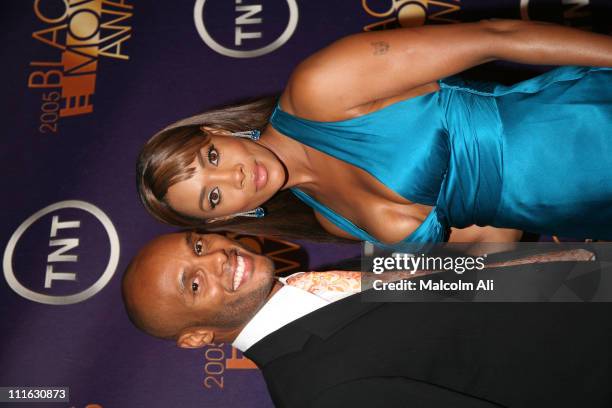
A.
pixel 368 67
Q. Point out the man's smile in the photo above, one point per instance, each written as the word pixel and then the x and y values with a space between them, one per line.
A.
pixel 242 267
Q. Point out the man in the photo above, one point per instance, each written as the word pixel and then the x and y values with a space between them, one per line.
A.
pixel 316 352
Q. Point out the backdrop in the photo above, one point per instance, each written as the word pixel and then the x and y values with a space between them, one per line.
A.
pixel 84 84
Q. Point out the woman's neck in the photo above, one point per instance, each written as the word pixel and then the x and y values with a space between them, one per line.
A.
pixel 293 155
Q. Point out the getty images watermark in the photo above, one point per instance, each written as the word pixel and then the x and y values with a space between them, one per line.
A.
pixel 402 267
pixel 517 272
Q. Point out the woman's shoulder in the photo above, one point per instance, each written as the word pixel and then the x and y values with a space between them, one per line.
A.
pixel 308 98
pixel 313 90
pixel 308 102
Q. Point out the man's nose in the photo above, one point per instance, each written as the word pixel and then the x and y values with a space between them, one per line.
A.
pixel 216 261
pixel 234 176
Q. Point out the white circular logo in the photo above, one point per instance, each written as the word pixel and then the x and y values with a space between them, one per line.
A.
pixel 62 254
pixel 249 18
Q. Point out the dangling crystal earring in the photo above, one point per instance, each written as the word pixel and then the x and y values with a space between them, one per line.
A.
pixel 248 134
pixel 254 213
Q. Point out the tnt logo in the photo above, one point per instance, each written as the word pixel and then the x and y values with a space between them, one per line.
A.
pixel 238 28
pixel 63 254
pixel 246 18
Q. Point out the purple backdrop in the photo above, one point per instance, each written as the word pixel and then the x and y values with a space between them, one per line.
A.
pixel 85 84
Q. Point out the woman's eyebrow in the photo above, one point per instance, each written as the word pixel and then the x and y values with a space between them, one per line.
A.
pixel 201 199
pixel 203 192
pixel 200 158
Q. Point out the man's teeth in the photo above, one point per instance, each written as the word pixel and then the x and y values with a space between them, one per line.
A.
pixel 239 271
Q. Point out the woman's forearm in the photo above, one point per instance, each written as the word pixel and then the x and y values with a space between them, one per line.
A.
pixel 549 44
pixel 364 68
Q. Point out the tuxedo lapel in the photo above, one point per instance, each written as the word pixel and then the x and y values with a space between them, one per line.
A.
pixel 322 323
pixel 473 350
pixel 328 320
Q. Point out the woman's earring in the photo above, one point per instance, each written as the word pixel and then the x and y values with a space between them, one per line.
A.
pixel 254 213
pixel 248 134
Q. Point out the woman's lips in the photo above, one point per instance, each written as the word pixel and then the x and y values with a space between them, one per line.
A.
pixel 261 176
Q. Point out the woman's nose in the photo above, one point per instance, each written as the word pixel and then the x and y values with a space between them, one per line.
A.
pixel 234 176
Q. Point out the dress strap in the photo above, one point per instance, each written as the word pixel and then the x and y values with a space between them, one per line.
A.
pixel 403 145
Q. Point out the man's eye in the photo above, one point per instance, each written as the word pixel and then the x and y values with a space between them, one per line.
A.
pixel 198 247
pixel 214 197
pixel 213 155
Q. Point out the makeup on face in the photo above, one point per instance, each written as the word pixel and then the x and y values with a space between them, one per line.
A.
pixel 230 176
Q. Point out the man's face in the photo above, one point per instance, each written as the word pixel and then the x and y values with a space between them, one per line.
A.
pixel 186 279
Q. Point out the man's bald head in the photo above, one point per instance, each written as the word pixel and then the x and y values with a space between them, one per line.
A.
pixel 184 280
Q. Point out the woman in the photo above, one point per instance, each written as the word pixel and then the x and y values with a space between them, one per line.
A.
pixel 368 135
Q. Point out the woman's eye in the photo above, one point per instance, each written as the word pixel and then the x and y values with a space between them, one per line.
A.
pixel 198 247
pixel 195 285
pixel 213 155
pixel 214 197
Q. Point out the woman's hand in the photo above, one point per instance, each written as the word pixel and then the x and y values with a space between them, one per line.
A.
pixel 366 68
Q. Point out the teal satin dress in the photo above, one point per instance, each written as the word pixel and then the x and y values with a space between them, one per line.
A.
pixel 534 156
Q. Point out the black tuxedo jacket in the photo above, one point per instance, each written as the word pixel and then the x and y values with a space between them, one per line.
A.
pixel 447 354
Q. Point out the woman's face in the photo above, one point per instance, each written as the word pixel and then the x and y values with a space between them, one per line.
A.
pixel 232 175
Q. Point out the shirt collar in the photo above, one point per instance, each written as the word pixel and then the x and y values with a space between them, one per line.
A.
pixel 286 305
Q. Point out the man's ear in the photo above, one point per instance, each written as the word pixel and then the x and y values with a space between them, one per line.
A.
pixel 195 337
pixel 214 131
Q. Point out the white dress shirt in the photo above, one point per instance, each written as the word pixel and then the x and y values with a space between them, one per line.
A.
pixel 289 303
